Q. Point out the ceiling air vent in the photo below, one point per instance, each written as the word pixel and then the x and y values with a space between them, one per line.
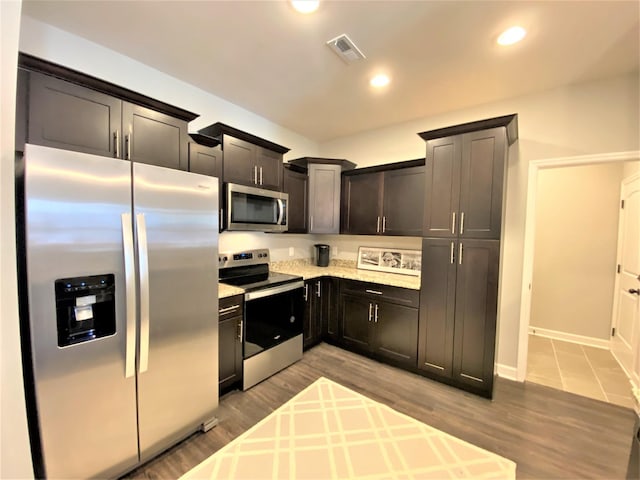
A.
pixel 345 48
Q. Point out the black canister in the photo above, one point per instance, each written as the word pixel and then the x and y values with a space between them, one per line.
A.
pixel 322 254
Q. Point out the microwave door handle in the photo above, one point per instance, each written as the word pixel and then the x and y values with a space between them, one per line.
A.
pixel 280 211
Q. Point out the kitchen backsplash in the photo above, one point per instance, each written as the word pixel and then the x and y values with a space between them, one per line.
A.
pixel 344 247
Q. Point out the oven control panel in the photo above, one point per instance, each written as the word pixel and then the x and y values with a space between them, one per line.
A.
pixel 248 257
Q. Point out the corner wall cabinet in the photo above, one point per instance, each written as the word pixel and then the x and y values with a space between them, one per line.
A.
pixel 248 160
pixel 464 189
pixel 230 331
pixel 384 200
pixel 323 193
pixel 62 108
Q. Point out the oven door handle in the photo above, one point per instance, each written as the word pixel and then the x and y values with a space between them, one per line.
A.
pixel 265 292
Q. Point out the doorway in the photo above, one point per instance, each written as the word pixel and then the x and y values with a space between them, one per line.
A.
pixel 554 347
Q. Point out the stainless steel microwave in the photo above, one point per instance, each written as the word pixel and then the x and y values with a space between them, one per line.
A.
pixel 256 209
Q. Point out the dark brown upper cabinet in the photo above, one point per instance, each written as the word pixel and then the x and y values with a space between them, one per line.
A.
pixel 385 200
pixel 464 178
pixel 62 108
pixel 323 192
pixel 295 184
pixel 207 160
pixel 248 160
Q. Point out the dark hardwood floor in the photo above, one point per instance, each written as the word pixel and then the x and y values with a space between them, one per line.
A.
pixel 548 433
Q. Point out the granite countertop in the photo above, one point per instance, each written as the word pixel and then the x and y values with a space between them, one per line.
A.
pixel 345 269
pixel 337 268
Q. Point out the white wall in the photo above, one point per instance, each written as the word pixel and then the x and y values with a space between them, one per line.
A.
pixel 594 117
pixel 15 457
pixel 576 238
pixel 50 43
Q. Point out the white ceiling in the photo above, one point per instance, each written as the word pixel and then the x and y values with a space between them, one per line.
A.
pixel 441 55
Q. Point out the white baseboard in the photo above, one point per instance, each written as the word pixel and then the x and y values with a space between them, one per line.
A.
pixel 505 371
pixel 569 337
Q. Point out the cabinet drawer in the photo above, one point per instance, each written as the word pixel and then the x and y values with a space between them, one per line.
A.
pixel 230 307
pixel 387 293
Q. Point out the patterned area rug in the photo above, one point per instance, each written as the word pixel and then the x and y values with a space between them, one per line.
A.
pixel 328 432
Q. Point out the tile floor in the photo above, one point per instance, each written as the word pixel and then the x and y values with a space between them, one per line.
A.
pixel 580 369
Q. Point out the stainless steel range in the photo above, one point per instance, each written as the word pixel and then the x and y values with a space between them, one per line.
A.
pixel 273 311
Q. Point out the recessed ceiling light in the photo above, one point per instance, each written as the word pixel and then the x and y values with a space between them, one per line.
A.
pixel 511 35
pixel 379 81
pixel 305 6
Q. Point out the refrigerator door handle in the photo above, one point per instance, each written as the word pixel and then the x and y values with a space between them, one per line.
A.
pixel 143 264
pixel 130 287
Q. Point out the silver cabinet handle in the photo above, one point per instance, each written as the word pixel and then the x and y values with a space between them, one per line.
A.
pixel 318 289
pixel 143 265
pixel 384 223
pixel 453 223
pixel 376 314
pixel 221 221
pixel 306 292
pixel 376 292
pixel 311 224
pixel 260 175
pixel 255 174
pixel 240 325
pixel 226 310
pixel 370 311
pixel 452 254
pixel 130 288
pixel 461 223
pixel 460 254
pixel 116 144
pixel 378 225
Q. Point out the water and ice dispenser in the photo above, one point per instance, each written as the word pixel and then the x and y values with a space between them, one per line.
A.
pixel 85 308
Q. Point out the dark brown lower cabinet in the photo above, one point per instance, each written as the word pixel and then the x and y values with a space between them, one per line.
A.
pixel 319 295
pixel 458 310
pixel 230 341
pixel 380 320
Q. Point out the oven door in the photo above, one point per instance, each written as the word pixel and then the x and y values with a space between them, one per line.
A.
pixel 271 316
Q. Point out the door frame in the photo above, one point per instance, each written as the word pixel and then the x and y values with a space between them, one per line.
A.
pixel 529 236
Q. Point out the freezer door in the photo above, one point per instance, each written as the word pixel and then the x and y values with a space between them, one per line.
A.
pixel 85 403
pixel 177 236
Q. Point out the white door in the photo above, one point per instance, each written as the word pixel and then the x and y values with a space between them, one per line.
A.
pixel 625 344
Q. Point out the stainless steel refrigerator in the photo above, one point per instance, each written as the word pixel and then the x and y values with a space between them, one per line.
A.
pixel 121 275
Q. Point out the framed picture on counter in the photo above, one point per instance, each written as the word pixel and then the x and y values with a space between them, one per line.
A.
pixel 392 260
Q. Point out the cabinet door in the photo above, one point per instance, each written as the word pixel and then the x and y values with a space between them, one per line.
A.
pixel 208 161
pixel 230 352
pixel 330 318
pixel 309 319
pixel 324 198
pixel 295 184
pixel 205 160
pixel 476 311
pixel 437 306
pixel 361 207
pixel 269 169
pixel 357 318
pixel 70 117
pixel 481 185
pixel 239 161
pixel 442 187
pixel 403 204
pixel 154 138
pixel 396 332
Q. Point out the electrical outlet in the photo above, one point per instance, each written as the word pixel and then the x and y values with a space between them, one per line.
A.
pixel 291 251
